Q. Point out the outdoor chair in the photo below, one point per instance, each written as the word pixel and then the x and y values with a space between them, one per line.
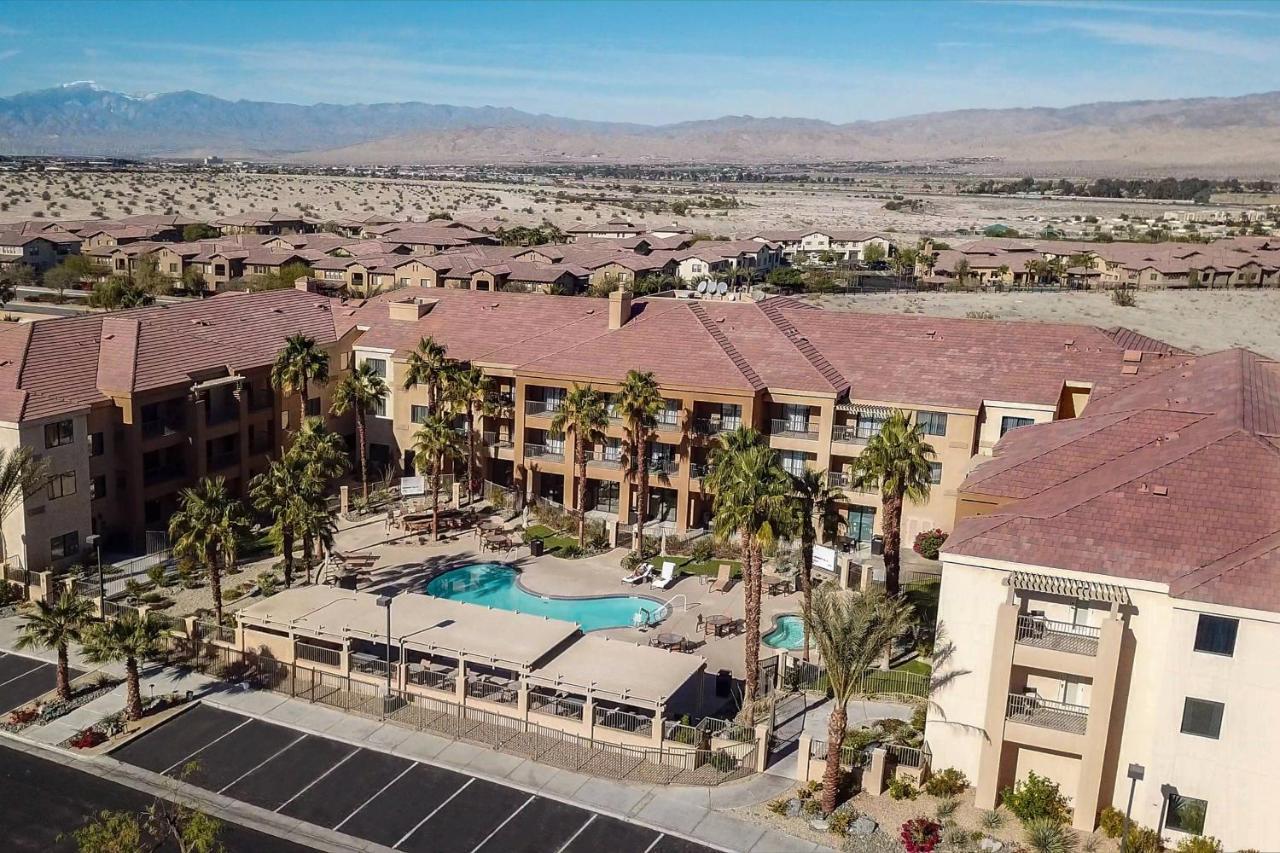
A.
pixel 642 573
pixel 724 578
pixel 667 577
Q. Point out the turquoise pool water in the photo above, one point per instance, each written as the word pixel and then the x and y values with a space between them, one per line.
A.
pixel 788 633
pixel 494 585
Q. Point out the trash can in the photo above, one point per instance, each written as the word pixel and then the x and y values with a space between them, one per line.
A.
pixel 347 581
pixel 535 547
pixel 877 546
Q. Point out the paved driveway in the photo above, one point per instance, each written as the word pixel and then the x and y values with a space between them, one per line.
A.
pixel 23 679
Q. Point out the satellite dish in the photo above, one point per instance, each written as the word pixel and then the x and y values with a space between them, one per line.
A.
pixel 702 286
pixel 722 288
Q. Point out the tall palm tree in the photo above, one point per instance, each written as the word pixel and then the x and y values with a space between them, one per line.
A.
pixel 753 500
pixel 585 414
pixel 896 462
pixel 276 493
pixel 638 403
pixel 301 362
pixel 207 518
pixel 434 444
pixel 55 626
pixel 361 391
pixel 818 515
pixel 427 366
pixel 321 457
pixel 468 389
pixel 21 475
pixel 131 638
pixel 851 632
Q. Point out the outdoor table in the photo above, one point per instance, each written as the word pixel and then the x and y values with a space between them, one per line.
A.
pixel 718 623
pixel 670 641
pixel 775 586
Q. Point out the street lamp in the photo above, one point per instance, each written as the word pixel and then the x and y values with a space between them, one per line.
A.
pixel 385 601
pixel 1136 772
pixel 94 541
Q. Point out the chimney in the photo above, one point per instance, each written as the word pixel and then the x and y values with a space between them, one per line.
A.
pixel 619 308
pixel 410 309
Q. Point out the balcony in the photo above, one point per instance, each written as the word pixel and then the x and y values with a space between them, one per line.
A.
pixel 541 408
pixel 664 467
pixel 1047 714
pixel 497 441
pixel 603 460
pixel 792 429
pixel 556 705
pixel 317 654
pixel 1059 636
pixel 223 459
pixel 434 678
pixel 541 451
pixel 846 434
pixel 624 721
pixel 715 426
pixel 699 470
pixel 163 474
pixel 157 428
pixel 501 401
pixel 221 415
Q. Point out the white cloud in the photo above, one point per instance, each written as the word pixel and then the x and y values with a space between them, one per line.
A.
pixel 1176 38
pixel 9 54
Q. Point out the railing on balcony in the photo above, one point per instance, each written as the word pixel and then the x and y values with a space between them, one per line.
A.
pixel 540 407
pixel 500 400
pixel 162 474
pixel 221 415
pixel 848 434
pixel 668 419
pixel 664 467
pixel 224 459
pixel 156 428
pixel 604 460
pixel 434 679
pixel 838 480
pixel 496 441
pixel 502 692
pixel 214 631
pixel 317 654
pixel 698 470
pixel 569 707
pixel 715 426
pixel 1061 636
pixel 792 429
pixel 1047 713
pixel 541 451
pixel 624 721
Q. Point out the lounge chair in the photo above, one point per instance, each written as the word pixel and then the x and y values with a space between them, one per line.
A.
pixel 642 573
pixel 667 578
pixel 724 578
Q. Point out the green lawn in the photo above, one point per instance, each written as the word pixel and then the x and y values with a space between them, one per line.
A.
pixel 552 541
pixel 707 568
pixel 918 666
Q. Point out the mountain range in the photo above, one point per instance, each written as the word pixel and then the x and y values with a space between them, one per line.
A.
pixel 1237 135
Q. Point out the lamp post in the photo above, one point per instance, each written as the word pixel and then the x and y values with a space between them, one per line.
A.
pixel 1136 773
pixel 94 541
pixel 384 601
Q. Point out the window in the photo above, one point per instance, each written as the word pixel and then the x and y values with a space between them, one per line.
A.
pixel 1202 717
pixel 1186 814
pixel 58 433
pixel 935 473
pixel 66 545
pixel 98 487
pixel 418 414
pixel 1008 422
pixel 61 485
pixel 95 444
pixel 1216 635
pixel 380 408
pixel 379 366
pixel 932 423
pixel 313 407
pixel 793 462
pixel 868 425
pixel 670 413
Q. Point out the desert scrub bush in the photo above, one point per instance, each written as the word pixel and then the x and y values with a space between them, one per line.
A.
pixel 947 783
pixel 946 809
pixel 1199 844
pixel 1046 835
pixel 900 788
pixel 991 820
pixel 1036 797
pixel 1111 822
pixel 1124 297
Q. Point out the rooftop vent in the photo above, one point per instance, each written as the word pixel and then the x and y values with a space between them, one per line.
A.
pixel 1160 491
pixel 1132 356
pixel 1129 370
pixel 411 309
pixel 1069 342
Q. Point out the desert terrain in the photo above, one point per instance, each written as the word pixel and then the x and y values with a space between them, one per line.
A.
pixel 1200 321
pixel 734 210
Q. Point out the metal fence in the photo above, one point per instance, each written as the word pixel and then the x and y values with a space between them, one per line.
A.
pixel 811 677
pixel 1061 636
pixel 850 757
pixel 214 631
pixel 1047 713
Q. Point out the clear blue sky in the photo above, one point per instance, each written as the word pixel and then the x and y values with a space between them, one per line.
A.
pixel 654 62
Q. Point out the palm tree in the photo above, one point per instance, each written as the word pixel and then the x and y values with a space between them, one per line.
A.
pixel 21 474
pixel 638 403
pixel 277 493
pixel 469 390
pixel 753 500
pixel 896 461
pixel 130 638
pixel 427 366
pixel 851 632
pixel 585 414
pixel 434 443
pixel 361 391
pixel 817 506
pixel 301 362
pixel 201 530
pixel 55 626
pixel 321 457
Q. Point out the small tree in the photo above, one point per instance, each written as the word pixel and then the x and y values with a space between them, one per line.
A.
pixel 434 444
pixel 55 626
pixel 583 413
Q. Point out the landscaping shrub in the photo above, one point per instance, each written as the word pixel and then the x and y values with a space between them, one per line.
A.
pixel 1035 797
pixel 947 783
pixel 1199 844
pixel 704 549
pixel 1046 835
pixel 919 716
pixel 928 543
pixel 156 574
pixel 920 835
pixel 87 738
pixel 778 806
pixel 570 551
pixel 991 820
pixel 900 788
pixel 1124 297
pixel 10 594
pixel 946 808
pixel 22 716
pixel 1111 822
pixel 1144 839
pixel 840 820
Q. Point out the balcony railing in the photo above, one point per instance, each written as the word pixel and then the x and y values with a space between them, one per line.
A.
pixel 505 693
pixel 715 426
pixel 604 460
pixel 162 474
pixel 698 470
pixel 556 706
pixel 157 428
pixel 664 467
pixel 317 654
pixel 224 459
pixel 221 415
pixel 434 679
pixel 496 441
pixel 624 721
pixel 847 434
pixel 792 429
pixel 1047 714
pixel 540 407
pixel 1061 636
pixel 541 451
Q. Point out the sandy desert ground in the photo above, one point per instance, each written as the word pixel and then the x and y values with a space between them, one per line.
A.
pixel 73 195
pixel 1199 321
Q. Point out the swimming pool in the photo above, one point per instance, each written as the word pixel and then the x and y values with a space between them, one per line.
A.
pixel 496 585
pixel 787 633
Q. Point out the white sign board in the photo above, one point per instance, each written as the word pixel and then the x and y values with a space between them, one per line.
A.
pixel 410 486
pixel 824 557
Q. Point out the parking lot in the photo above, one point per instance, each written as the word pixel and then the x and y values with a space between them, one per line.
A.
pixel 374 795
pixel 23 679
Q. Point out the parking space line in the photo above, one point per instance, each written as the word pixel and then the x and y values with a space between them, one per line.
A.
pixel 504 823
pixel 464 787
pixel 581 829
pixel 262 763
pixel 39 665
pixel 374 797
pixel 340 762
pixel 196 752
pixel 661 835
